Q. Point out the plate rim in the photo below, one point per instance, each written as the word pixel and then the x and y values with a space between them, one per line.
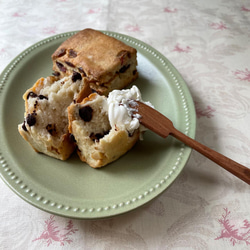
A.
pixel 17 185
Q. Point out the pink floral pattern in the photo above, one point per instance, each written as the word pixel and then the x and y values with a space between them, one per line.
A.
pixel 53 234
pixel 235 234
pixel 133 28
pixel 93 11
pixel 18 14
pixel 204 112
pixel 182 48
pixel 243 8
pixel 218 26
pixel 49 30
pixel 243 75
pixel 170 10
pixel 208 43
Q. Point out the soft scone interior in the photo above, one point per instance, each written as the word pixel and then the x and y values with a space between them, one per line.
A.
pixel 93 117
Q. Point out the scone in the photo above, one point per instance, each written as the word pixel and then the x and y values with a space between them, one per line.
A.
pixel 106 62
pixel 98 142
pixel 46 121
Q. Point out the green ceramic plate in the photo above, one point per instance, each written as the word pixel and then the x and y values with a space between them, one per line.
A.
pixel 72 188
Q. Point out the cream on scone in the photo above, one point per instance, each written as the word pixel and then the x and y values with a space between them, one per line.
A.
pixel 106 62
pixel 104 128
pixel 45 124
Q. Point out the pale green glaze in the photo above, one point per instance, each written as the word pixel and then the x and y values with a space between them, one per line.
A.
pixel 72 188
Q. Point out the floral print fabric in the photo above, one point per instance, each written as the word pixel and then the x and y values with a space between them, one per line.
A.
pixel 209 44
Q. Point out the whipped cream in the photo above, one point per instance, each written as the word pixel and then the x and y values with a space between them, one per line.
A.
pixel 121 106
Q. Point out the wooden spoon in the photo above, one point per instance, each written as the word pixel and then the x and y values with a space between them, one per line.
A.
pixel 161 125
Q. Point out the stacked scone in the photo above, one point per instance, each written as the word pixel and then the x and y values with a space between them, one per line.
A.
pixel 69 109
pixel 106 62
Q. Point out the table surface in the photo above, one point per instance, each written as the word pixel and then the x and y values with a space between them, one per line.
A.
pixel 209 44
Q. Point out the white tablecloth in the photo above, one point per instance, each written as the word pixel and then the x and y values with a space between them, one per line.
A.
pixel 209 43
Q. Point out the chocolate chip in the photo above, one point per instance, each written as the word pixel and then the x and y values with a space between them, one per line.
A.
pixel 35 105
pixel 124 68
pixel 86 113
pixel 70 64
pixel 60 53
pixel 96 137
pixel 76 76
pixel 72 138
pixel 31 119
pixel 32 95
pixel 51 128
pixel 61 67
pixel 72 53
pixel 82 71
pixel 42 97
pixel 92 136
pixel 24 127
pixel 56 73
pixel 134 72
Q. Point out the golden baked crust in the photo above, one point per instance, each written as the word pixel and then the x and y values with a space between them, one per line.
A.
pixel 106 62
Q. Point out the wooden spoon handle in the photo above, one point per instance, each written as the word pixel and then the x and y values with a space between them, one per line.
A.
pixel 162 126
pixel 233 167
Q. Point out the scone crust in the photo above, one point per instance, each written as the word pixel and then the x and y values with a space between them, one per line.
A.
pixel 61 152
pixel 98 55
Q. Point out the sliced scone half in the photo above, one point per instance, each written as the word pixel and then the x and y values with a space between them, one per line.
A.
pixel 45 124
pixel 97 141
